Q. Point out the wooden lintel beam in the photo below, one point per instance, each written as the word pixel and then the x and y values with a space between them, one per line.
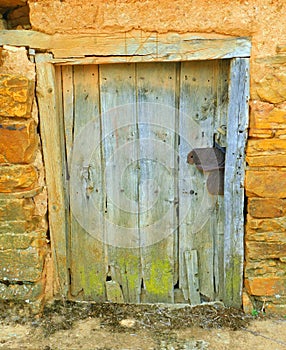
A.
pixel 136 46
pixel 28 38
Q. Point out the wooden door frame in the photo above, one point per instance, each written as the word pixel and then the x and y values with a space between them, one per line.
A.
pixel 138 46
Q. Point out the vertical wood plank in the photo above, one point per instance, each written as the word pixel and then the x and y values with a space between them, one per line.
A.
pixel 221 121
pixel 65 172
pixel 198 102
pixel 234 184
pixel 68 108
pixel 191 259
pixel 86 239
pixel 120 147
pixel 156 84
pixel 49 126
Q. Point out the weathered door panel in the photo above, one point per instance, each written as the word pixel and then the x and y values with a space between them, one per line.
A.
pixel 148 226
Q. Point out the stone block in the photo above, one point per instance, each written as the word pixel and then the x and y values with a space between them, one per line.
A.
pixel 266 116
pixel 247 303
pixel 276 309
pixel 18 226
pixel 272 88
pixel 267 160
pixel 268 184
pixel 29 292
pixel 270 236
pixel 17 178
pixel 265 268
pixel 280 134
pixel 271 304
pixel 264 250
pixel 261 133
pixel 21 265
pixel 16 63
pixel 266 147
pixel 18 141
pixel 14 241
pixel 265 286
pixel 254 225
pixel 22 241
pixel 16 209
pixel 19 12
pixel 16 96
pixel 12 3
pixel 19 16
pixel 266 207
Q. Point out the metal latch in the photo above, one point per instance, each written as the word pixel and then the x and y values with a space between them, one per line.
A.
pixel 212 161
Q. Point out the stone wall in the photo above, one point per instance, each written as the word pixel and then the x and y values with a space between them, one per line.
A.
pixel 14 14
pixel 264 22
pixel 23 226
pixel 265 241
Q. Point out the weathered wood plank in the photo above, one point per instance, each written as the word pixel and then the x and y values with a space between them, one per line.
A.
pixel 142 46
pixel 68 108
pixel 164 47
pixel 114 292
pixel 167 47
pixel 28 38
pixel 191 260
pixel 88 268
pixel 65 175
pixel 156 86
pixel 120 147
pixel 234 184
pixel 220 123
pixel 197 113
pixel 49 116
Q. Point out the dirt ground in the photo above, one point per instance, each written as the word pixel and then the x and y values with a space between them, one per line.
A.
pixel 69 325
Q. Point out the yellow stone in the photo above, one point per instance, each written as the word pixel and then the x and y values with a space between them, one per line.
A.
pixel 18 141
pixel 17 178
pixel 266 147
pixel 268 184
pixel 267 161
pixel 266 116
pixel 247 303
pixel 256 250
pixel 265 286
pixel 16 96
pixel 272 88
pixel 265 225
pixel 266 207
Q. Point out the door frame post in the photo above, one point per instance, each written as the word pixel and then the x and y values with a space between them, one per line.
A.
pixel 237 125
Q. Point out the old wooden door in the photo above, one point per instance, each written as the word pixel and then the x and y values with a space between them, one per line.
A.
pixel 142 224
